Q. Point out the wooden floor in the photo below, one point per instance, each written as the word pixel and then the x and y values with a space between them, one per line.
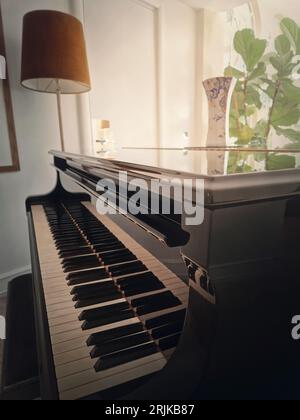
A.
pixel 2 312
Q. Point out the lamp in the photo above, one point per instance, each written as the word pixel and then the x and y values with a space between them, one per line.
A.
pixel 54 58
pixel 2 68
pixel 101 134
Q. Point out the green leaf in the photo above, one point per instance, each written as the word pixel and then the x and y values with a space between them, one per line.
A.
pixel 285 114
pixel 253 97
pixel 233 132
pixel 251 110
pixel 290 134
pixel 258 72
pixel 247 168
pixel 232 72
pixel 290 91
pixel 292 146
pixel 279 162
pixel 260 129
pixel 283 64
pixel 271 89
pixel 244 134
pixel 282 45
pixel 292 32
pixel 250 48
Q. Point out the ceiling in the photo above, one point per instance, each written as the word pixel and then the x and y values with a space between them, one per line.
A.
pixel 214 4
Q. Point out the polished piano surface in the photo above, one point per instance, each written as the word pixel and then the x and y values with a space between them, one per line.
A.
pixel 136 306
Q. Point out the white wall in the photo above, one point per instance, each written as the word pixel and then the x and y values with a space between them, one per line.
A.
pixel 37 132
pixel 122 53
pixel 178 84
pixel 143 66
pixel 272 11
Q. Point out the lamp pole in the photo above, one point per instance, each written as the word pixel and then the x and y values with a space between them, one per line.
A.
pixel 59 108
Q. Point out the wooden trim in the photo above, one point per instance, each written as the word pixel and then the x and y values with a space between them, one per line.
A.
pixel 15 166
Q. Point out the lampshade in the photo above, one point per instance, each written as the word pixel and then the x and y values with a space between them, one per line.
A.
pixel 54 53
pixel 104 124
pixel 2 67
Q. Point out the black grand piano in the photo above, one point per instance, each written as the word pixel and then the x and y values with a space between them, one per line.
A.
pixel 148 307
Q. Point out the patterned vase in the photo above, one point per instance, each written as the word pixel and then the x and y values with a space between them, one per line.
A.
pixel 219 92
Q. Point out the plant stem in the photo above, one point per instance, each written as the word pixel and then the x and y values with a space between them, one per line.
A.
pixel 245 95
pixel 269 126
pixel 238 155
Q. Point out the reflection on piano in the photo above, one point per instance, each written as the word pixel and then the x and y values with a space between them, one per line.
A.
pixel 116 316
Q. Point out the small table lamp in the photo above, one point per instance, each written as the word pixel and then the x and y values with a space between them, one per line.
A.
pixel 2 68
pixel 101 130
pixel 54 58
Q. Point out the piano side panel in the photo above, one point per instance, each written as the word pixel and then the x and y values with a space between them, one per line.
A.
pixel 48 381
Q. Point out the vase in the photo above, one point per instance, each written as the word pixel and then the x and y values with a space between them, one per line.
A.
pixel 219 92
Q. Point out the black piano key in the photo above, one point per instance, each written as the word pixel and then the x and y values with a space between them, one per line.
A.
pixel 80 259
pixel 84 277
pixel 103 337
pixel 101 237
pixel 82 266
pixel 100 240
pixel 155 303
pixel 177 316
pixel 92 225
pixel 146 288
pixel 120 344
pixel 137 279
pixel 109 319
pixel 114 253
pixel 117 260
pixel 61 233
pixel 105 295
pixel 95 300
pixel 71 247
pixel 167 297
pixel 139 284
pixel 74 243
pixel 169 342
pixel 167 330
pixel 88 253
pixel 95 231
pixel 125 356
pixel 91 314
pixel 67 238
pixel 76 252
pixel 86 266
pixel 105 247
pixel 97 293
pixel 124 269
pixel 87 289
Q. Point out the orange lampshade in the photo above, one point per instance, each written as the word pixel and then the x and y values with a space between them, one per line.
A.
pixel 104 124
pixel 54 53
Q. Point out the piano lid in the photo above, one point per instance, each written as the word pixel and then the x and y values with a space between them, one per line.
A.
pixel 251 181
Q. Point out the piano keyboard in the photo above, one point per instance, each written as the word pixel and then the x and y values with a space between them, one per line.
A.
pixel 115 312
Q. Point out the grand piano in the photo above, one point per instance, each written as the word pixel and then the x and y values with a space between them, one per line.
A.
pixel 148 307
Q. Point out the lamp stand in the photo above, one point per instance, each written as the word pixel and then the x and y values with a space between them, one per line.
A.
pixel 59 108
